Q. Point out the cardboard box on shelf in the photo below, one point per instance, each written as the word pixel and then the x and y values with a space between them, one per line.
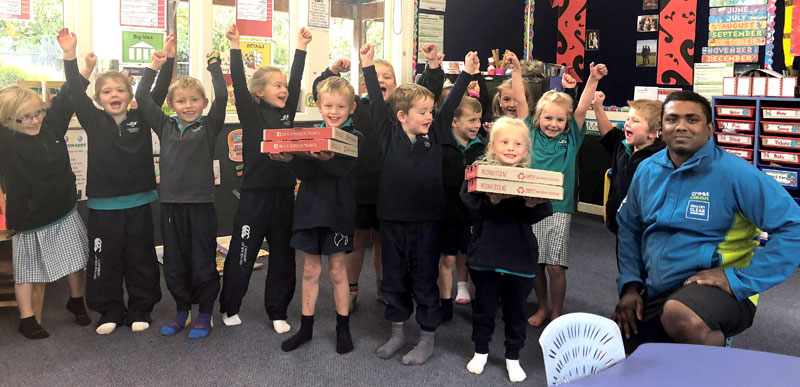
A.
pixel 516 188
pixel 310 134
pixel 529 175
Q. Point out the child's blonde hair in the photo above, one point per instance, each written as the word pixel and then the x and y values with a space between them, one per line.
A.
pixel 186 83
pixel 504 124
pixel 506 86
pixel 336 85
pixel 111 76
pixel 404 96
pixel 385 63
pixel 468 104
pixel 11 99
pixel 553 97
pixel 650 110
pixel 260 80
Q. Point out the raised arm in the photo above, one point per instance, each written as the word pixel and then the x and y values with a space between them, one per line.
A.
pixel 596 73
pixel 445 115
pixel 245 105
pixel 340 65
pixel 517 85
pixel 433 76
pixel 379 112
pixel 89 116
pixel 296 73
pixel 61 108
pixel 603 123
pixel 159 93
pixel 216 114
pixel 151 112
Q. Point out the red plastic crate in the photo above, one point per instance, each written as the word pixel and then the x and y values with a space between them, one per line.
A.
pixel 780 142
pixel 735 125
pixel 734 139
pixel 736 111
pixel 780 157
pixel 781 127
pixel 746 154
pixel 780 112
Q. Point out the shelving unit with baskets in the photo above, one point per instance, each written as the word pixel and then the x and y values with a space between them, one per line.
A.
pixel 765 131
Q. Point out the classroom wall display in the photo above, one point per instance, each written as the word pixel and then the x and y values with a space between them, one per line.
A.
pixel 570 49
pixel 646 53
pixel 78 147
pixel 319 14
pixel 143 13
pixel 649 5
pixel 15 10
pixel 592 40
pixel 137 46
pixel 647 23
pixel 676 40
pixel 770 48
pixel 254 17
pixel 530 6
pixel 791 34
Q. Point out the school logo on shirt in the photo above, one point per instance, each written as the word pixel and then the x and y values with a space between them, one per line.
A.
pixel 132 127
pixel 197 128
pixel 285 120
pixel 426 141
pixel 698 206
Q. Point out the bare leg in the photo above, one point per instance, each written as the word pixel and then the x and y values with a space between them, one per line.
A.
pixel 558 289
pixel 312 267
pixel 76 284
pixel 540 286
pixel 355 260
pixel 684 325
pixel 24 294
pixel 338 273
pixel 461 268
pixel 446 263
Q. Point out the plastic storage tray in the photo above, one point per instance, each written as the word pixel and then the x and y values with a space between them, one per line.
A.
pixel 736 111
pixel 787 177
pixel 734 139
pixel 744 153
pixel 780 112
pixel 781 127
pixel 780 157
pixel 735 125
pixel 780 142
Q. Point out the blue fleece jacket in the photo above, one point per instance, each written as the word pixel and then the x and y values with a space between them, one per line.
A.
pixel 706 214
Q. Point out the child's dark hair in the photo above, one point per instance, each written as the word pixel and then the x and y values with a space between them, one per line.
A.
pixel 468 104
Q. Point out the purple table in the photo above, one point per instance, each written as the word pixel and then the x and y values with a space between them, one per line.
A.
pixel 658 364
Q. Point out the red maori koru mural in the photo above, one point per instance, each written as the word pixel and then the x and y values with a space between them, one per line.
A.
pixel 676 42
pixel 571 34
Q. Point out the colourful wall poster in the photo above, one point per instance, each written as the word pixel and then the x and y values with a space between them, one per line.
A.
pixel 78 148
pixel 708 78
pixel 729 3
pixel 676 42
pixel 737 34
pixel 730 50
pixel 254 17
pixel 570 49
pixel 137 47
pixel 749 25
pixel 762 8
pixel 235 145
pixel 143 13
pixel 15 10
pixel 256 54
pixel 737 42
pixel 732 58
pixel 737 18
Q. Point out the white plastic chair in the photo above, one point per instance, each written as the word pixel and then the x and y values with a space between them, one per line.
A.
pixel 576 345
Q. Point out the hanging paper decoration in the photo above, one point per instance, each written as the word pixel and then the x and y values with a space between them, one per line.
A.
pixel 571 34
pixel 770 48
pixel 415 48
pixel 676 42
pixel 529 7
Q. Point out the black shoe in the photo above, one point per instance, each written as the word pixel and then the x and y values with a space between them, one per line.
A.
pixel 31 329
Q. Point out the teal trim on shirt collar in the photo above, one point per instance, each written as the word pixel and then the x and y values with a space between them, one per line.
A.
pixel 180 125
pixel 463 148
pixel 347 123
pixel 628 148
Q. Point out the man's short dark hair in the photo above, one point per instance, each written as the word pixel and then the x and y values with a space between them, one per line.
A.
pixel 690 96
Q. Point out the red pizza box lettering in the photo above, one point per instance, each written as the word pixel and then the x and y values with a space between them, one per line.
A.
pixel 736 111
pixel 734 139
pixel 746 154
pixel 781 113
pixel 780 157
pixel 781 127
pixel 528 175
pixel 309 146
pixel 780 142
pixel 310 134
pixel 516 188
pixel 735 125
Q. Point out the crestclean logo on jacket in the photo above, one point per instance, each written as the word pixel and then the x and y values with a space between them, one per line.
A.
pixel 698 206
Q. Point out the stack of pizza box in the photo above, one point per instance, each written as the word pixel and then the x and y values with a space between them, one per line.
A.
pixel 515 181
pixel 310 140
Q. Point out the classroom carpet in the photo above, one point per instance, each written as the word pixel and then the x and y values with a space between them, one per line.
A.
pixel 250 354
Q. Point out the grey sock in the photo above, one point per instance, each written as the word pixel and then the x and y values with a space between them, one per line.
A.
pixel 394 344
pixel 422 351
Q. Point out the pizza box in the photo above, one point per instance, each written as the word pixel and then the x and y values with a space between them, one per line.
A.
pixel 516 188
pixel 310 134
pixel 529 175
pixel 735 125
pixel 781 127
pixel 744 153
pixel 734 139
pixel 735 111
pixel 318 145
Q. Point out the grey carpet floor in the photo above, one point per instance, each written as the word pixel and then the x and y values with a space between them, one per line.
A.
pixel 250 353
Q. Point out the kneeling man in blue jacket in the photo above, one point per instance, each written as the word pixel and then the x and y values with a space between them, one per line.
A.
pixel 689 268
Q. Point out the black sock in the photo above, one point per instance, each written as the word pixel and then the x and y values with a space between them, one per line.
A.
pixel 354 287
pixel 302 335
pixel 344 342
pixel 75 305
pixel 31 329
pixel 447 309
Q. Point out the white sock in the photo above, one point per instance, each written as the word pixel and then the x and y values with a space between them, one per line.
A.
pixel 515 372
pixel 139 326
pixel 281 326
pixel 232 320
pixel 105 329
pixel 463 291
pixel 477 363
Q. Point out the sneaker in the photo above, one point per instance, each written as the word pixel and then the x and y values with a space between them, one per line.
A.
pixel 463 297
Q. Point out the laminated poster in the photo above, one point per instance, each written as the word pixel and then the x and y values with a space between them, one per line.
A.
pixel 570 50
